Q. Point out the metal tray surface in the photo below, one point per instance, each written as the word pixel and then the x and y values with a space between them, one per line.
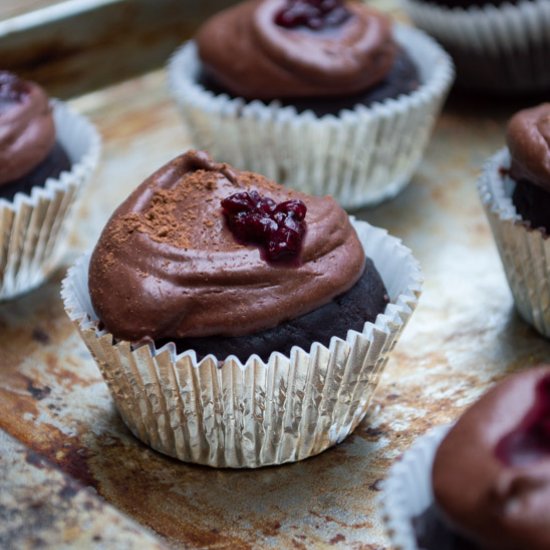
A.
pixel 41 506
pixel 464 336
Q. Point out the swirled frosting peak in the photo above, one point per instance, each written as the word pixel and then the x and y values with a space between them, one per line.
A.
pixel 246 51
pixel 528 139
pixel 168 266
pixel 27 131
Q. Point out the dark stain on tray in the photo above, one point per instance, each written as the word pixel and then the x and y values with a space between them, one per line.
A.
pixel 37 392
pixel 377 485
pixel 73 459
pixel 374 432
pixel 35 459
pixel 69 491
pixel 337 538
pixel 41 336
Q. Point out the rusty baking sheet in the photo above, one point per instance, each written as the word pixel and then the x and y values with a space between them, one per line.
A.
pixel 464 336
pixel 14 8
pixel 42 507
pixel 74 46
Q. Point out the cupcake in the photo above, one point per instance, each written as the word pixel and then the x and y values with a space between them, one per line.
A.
pixel 498 46
pixel 515 191
pixel 47 153
pixel 485 483
pixel 239 323
pixel 326 97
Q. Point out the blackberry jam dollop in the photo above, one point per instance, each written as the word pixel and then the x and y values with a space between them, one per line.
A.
pixel 168 266
pixel 12 89
pixel 314 14
pixel 278 228
pixel 281 49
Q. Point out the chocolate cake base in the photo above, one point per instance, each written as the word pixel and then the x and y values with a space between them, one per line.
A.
pixel 401 80
pixel 532 203
pixel 51 167
pixel 433 534
pixel 362 303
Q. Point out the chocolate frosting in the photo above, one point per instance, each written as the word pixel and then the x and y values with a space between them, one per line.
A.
pixel 166 265
pixel 27 131
pixel 499 505
pixel 528 139
pixel 251 56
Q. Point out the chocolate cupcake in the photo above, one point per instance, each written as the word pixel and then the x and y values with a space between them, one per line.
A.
pixel 47 153
pixel 514 188
pixel 237 322
pixel 29 152
pixel 325 97
pixel 483 484
pixel 499 47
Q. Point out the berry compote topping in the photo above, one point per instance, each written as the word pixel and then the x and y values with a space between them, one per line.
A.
pixel 12 88
pixel 530 441
pixel 277 228
pixel 313 14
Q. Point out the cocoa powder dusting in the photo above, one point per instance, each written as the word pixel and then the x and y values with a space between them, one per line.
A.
pixel 172 214
pixel 109 259
pixel 177 216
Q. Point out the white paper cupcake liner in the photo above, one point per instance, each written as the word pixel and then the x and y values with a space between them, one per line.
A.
pixel 363 156
pixel 525 252
pixel 502 49
pixel 33 227
pixel 407 491
pixel 229 414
